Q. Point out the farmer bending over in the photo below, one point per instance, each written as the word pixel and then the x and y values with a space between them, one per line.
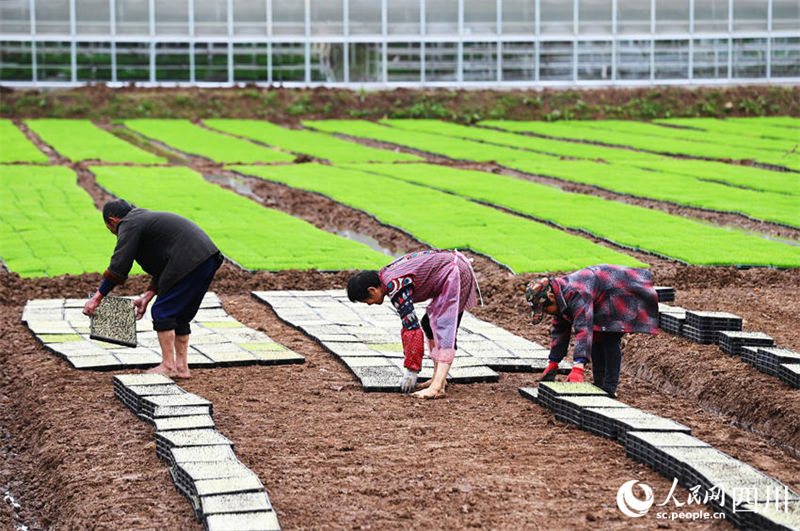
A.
pixel 444 276
pixel 601 303
pixel 182 261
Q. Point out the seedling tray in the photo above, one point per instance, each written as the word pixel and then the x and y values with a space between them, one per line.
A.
pixel 114 321
pixel 783 514
pixel 571 408
pixel 705 337
pixel 790 373
pixel 261 520
pixel 713 320
pixel 731 342
pixel 235 503
pixel 750 355
pixel 548 391
pixel 665 293
pixel 531 393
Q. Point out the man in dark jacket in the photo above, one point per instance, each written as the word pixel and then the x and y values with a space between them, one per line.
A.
pixel 182 261
pixel 601 303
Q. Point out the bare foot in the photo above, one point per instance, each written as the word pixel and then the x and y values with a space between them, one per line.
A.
pixel 182 375
pixel 429 393
pixel 427 383
pixel 161 369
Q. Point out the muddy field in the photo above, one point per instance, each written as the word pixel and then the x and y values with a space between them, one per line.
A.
pixel 332 456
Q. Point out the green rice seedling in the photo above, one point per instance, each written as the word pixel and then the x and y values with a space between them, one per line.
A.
pixel 631 226
pixel 15 147
pixel 735 127
pixel 82 140
pixel 446 221
pixel 319 145
pixel 193 139
pixel 251 235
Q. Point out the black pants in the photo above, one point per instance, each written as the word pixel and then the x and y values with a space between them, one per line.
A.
pixel 426 327
pixel 606 360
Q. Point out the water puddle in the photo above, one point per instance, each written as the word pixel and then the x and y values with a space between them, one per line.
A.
pixel 369 241
pixel 238 184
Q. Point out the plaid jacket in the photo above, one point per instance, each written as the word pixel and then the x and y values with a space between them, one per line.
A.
pixel 601 298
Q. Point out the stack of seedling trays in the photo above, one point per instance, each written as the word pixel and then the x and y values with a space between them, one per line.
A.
pixel 750 355
pixel 615 423
pixel 731 484
pixel 573 409
pixel 224 493
pixel 549 392
pixel 770 359
pixel 731 342
pixel 783 515
pixel 790 373
pixel 703 327
pixel 669 453
pixel 671 318
pixel 665 293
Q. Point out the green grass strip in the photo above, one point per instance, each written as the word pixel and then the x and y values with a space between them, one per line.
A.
pixel 82 140
pixel 755 178
pixel 193 139
pixel 427 142
pixel 319 145
pixel 733 127
pixel 535 146
pixel 49 225
pixel 15 146
pixel 581 131
pixel 726 139
pixel 628 225
pixel 775 121
pixel 249 234
pixel 447 221
pixel 683 190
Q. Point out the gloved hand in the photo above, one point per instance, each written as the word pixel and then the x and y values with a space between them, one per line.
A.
pixel 409 381
pixel 549 374
pixel 575 375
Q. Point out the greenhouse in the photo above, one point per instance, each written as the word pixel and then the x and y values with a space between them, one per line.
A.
pixel 393 43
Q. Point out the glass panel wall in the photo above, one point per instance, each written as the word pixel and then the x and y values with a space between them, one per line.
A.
pixel 53 61
pixel 16 60
pixel 672 16
pixel 133 61
pixel 519 16
pixel 786 57
pixel 403 18
pixel 173 61
pixel 710 16
pixel 671 59
pixel 786 15
pixel 633 17
pixel 403 61
pixel 555 61
pixel 52 17
pixel 633 59
pixel 441 61
pixel 172 18
pixel 249 18
pixel 365 62
pixel 749 58
pixel 93 61
pixel 441 17
pixel 250 62
pixel 595 17
pixel 288 62
pixel 327 62
pixel 365 17
pixel 211 18
pixel 710 59
pixel 211 61
pixel 92 17
pixel 480 61
pixel 480 17
pixel 749 15
pixel 288 18
pixel 15 17
pixel 327 17
pixel 133 17
pixel 595 60
pixel 519 61
pixel 557 17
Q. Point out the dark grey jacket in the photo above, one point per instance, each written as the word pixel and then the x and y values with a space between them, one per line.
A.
pixel 166 245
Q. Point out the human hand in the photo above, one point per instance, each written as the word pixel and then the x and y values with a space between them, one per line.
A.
pixel 141 303
pixel 549 374
pixel 91 305
pixel 409 381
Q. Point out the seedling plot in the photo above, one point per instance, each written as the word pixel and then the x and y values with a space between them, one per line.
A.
pixel 16 147
pixel 665 293
pixel 770 359
pixel 230 219
pixel 366 339
pixel 114 321
pixel 217 339
pixel 201 460
pixel 731 342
